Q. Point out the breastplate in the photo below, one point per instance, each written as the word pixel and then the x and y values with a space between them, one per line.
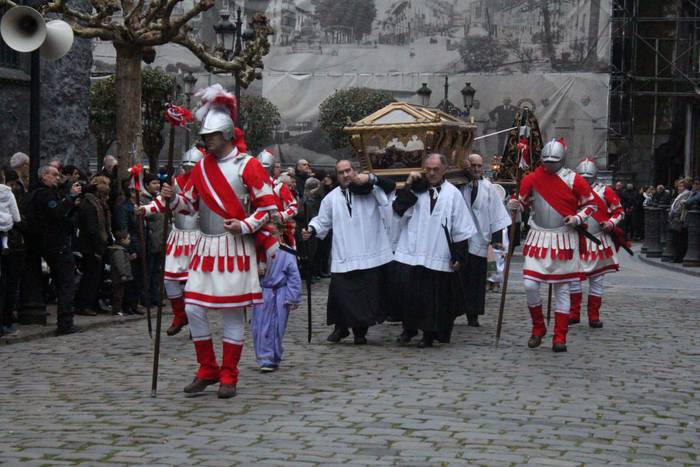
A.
pixel 593 226
pixel 210 223
pixel 185 221
pixel 543 214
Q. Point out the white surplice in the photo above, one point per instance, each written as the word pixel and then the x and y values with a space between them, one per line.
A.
pixel 360 230
pixel 422 240
pixel 489 214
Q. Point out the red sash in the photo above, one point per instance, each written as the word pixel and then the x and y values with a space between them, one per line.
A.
pixel 601 213
pixel 555 191
pixel 214 190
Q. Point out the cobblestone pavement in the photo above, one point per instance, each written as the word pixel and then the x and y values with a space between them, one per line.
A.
pixel 622 394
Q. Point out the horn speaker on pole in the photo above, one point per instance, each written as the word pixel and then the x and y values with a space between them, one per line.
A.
pixel 24 29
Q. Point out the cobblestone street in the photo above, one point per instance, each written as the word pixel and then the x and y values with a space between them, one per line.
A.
pixel 627 393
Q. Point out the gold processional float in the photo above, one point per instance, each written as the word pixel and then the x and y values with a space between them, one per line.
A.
pixel 395 140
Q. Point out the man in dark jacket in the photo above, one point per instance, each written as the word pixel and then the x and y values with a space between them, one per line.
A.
pixel 94 227
pixel 154 239
pixel 50 228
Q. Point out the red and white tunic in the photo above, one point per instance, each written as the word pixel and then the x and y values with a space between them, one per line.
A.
pixel 551 248
pixel 182 238
pixel 222 270
pixel 288 208
pixel 602 259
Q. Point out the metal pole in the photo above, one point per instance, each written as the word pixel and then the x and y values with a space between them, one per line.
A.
pixel 35 119
pixel 238 46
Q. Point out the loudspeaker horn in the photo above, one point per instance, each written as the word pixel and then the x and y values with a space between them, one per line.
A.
pixel 59 40
pixel 23 29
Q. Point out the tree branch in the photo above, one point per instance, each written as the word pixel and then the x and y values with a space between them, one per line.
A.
pixel 206 56
pixel 200 7
pixel 59 6
pixel 130 14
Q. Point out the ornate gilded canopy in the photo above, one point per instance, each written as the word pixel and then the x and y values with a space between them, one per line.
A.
pixel 395 140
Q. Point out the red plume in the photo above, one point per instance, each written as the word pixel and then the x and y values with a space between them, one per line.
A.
pixel 230 102
pixel 239 141
pixel 563 143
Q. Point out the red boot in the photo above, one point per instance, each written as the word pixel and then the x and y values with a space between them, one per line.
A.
pixel 538 327
pixel 594 303
pixel 179 316
pixel 575 310
pixel 561 327
pixel 208 372
pixel 229 370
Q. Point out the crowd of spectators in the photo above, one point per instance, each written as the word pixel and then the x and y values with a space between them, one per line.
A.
pixel 682 196
pixel 83 229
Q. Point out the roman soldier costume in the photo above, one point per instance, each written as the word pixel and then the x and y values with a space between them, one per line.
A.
pixel 552 248
pixel 180 245
pixel 597 260
pixel 222 271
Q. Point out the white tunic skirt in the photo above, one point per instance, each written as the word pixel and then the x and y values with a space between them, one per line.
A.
pixel 552 255
pixel 178 251
pixel 599 259
pixel 223 272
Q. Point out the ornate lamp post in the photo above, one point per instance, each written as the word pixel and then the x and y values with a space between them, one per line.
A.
pixel 424 93
pixel 230 38
pixel 467 100
pixel 226 33
pixel 468 97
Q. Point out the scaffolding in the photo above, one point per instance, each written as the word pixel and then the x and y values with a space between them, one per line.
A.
pixel 654 87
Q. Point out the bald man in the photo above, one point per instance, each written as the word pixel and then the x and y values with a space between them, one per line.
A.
pixel 486 209
pixel 427 206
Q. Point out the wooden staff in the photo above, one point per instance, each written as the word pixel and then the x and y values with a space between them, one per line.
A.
pixel 161 294
pixel 511 238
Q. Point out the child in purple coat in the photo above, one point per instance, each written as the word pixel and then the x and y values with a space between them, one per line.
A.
pixel 281 287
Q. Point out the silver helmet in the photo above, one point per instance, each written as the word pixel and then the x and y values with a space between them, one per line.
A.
pixel 266 159
pixel 192 156
pixel 554 151
pixel 218 121
pixel 587 169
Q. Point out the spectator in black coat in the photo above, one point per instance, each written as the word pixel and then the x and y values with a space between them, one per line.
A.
pixel 49 218
pixel 94 221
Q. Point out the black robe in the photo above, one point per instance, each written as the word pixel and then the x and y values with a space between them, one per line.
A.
pixel 429 300
pixel 357 299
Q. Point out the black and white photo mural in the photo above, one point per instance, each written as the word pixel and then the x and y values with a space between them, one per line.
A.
pixel 552 55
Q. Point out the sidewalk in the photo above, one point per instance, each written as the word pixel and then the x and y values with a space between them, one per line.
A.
pixel 677 267
pixel 30 332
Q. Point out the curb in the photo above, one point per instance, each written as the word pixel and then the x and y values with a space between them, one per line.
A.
pixel 669 266
pixel 51 329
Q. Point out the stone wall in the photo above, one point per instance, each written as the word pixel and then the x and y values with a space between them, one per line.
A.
pixel 65 85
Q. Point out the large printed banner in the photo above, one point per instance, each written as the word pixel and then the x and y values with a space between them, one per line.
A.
pixel 552 54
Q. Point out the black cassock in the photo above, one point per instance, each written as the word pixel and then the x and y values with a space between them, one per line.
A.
pixel 425 299
pixel 356 299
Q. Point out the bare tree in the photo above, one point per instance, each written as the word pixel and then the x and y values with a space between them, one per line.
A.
pixel 135 27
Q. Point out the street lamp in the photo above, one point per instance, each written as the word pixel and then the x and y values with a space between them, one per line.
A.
pixel 230 38
pixel 225 34
pixel 424 93
pixel 468 96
